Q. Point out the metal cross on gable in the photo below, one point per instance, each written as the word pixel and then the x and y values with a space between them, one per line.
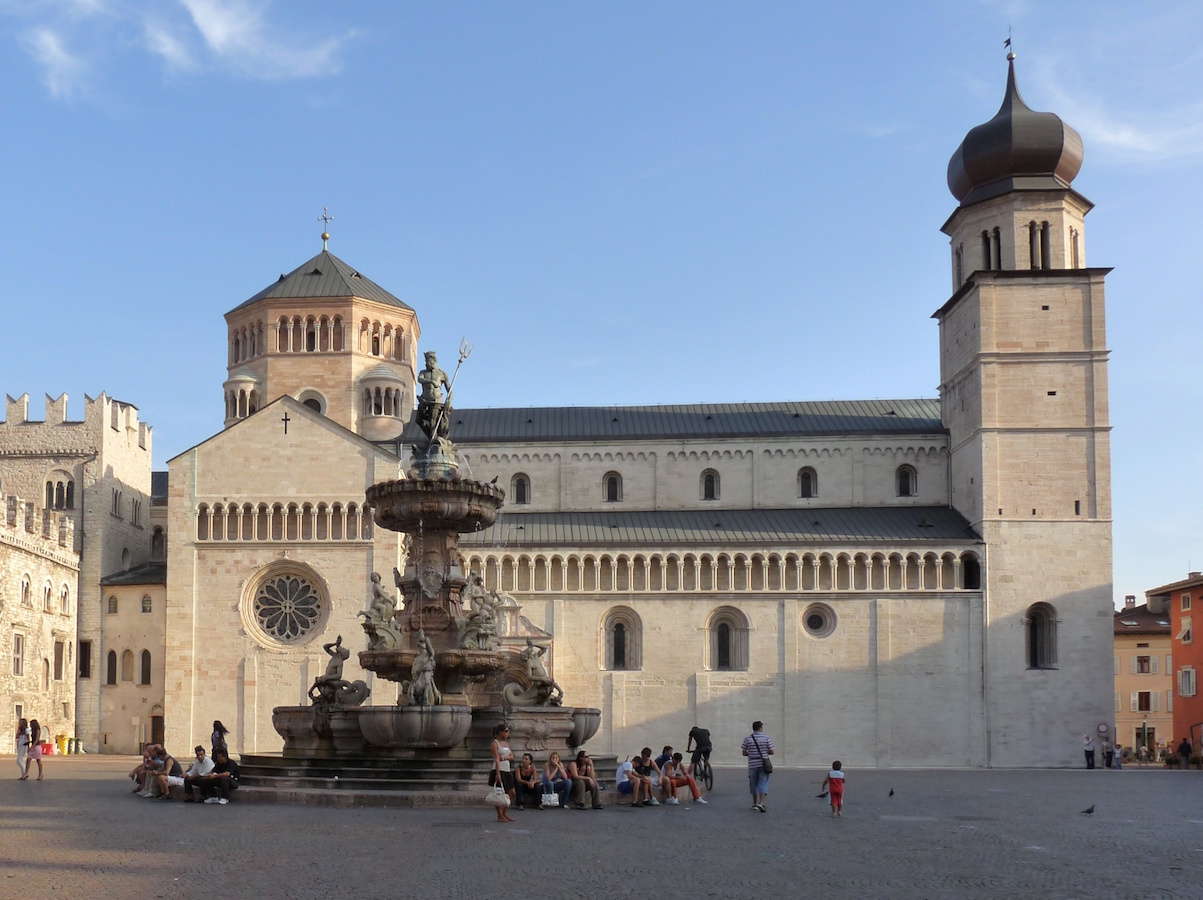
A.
pixel 286 420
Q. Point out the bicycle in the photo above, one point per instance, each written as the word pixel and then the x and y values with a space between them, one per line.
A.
pixel 703 774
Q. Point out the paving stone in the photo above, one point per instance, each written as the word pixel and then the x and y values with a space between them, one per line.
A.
pixel 944 834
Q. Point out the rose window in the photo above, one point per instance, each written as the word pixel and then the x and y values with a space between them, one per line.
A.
pixel 287 607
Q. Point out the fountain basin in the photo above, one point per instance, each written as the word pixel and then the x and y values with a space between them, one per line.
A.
pixel 434 504
pixel 298 725
pixel 585 722
pixel 415 727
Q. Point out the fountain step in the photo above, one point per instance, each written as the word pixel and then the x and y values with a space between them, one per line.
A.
pixel 351 783
pixel 362 798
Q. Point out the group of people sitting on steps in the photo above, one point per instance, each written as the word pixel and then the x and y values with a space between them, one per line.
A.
pixel 641 778
pixel 528 784
pixel 213 776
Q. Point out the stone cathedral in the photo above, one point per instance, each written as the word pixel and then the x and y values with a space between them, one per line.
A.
pixel 911 582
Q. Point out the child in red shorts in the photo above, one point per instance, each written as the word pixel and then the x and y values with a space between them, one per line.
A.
pixel 834 782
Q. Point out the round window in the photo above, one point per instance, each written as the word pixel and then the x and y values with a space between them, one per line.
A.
pixel 819 620
pixel 287 607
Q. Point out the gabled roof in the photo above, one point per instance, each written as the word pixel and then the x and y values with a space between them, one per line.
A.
pixel 726 527
pixel 323 276
pixel 147 573
pixel 1195 579
pixel 712 420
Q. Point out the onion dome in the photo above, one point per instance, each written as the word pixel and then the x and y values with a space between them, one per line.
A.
pixel 1018 150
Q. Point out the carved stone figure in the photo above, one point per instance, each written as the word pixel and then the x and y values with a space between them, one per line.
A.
pixel 545 694
pixel 478 626
pixel 380 623
pixel 330 689
pixel 382 606
pixel 422 691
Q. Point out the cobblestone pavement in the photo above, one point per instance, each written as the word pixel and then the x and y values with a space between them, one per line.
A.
pixel 81 833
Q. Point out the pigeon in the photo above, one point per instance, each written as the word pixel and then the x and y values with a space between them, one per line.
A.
pixel 822 795
pixel 1088 811
pixel 494 481
pixel 891 792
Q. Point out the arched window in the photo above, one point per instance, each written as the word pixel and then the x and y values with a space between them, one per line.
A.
pixel 144 674
pixel 728 630
pixel 710 485
pixel 125 559
pixel 25 592
pixel 64 598
pixel 624 639
pixel 808 483
pixel 520 489
pixel 971 573
pixel 112 606
pixel 127 665
pixel 1041 625
pixel 906 481
pixel 147 605
pixel 157 543
pixel 612 486
pixel 47 602
pixel 110 675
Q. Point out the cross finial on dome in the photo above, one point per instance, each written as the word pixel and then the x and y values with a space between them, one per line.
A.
pixel 325 218
pixel 1007 44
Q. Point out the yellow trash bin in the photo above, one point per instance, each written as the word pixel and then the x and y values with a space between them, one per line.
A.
pixel 61 740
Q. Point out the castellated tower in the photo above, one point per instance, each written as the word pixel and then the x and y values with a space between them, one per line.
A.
pixel 326 336
pixel 1023 372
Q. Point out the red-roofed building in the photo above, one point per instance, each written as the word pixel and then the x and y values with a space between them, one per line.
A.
pixel 1144 683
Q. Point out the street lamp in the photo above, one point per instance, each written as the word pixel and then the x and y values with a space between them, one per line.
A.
pixel 1144 734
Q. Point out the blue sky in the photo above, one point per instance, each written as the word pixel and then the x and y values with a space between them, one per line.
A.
pixel 616 203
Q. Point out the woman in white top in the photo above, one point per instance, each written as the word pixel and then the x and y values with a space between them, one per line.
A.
pixel 22 746
pixel 502 773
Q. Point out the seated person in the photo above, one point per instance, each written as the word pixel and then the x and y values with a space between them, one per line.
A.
pixel 555 779
pixel 675 775
pixel 526 783
pixel 630 782
pixel 138 775
pixel 584 778
pixel 168 775
pixel 200 768
pixel 646 767
pixel 665 755
pixel 216 786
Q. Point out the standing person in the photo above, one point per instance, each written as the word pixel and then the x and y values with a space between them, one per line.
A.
pixel 1119 756
pixel 501 774
pixel 758 747
pixel 701 737
pixel 1108 754
pixel 555 779
pixel 584 778
pixel 22 747
pixel 1088 749
pixel 1142 755
pixel 217 740
pixel 35 747
pixel 834 782
pixel 1183 754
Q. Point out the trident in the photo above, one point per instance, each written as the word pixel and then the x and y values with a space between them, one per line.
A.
pixel 465 350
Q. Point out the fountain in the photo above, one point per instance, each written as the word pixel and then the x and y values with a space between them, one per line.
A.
pixel 446 641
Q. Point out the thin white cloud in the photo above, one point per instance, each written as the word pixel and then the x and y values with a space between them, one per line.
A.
pixel 161 40
pixel 236 32
pixel 62 72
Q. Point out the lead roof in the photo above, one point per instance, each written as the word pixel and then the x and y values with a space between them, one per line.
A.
pixel 712 420
pixel 324 276
pixel 725 527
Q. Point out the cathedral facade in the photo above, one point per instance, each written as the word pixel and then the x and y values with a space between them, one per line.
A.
pixel 895 583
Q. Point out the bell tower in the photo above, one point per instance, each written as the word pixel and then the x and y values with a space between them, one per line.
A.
pixel 1023 390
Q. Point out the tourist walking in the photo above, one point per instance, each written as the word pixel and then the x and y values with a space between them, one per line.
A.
pixel 834 782
pixel 35 748
pixel 1088 749
pixel 502 775
pixel 22 747
pixel 217 740
pixel 758 747
pixel 1184 753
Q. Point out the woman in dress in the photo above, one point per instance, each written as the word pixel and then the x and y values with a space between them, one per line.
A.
pixel 502 763
pixel 35 748
pixel 555 779
pixel 218 739
pixel 22 746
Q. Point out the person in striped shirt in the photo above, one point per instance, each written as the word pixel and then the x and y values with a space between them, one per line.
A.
pixel 757 747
